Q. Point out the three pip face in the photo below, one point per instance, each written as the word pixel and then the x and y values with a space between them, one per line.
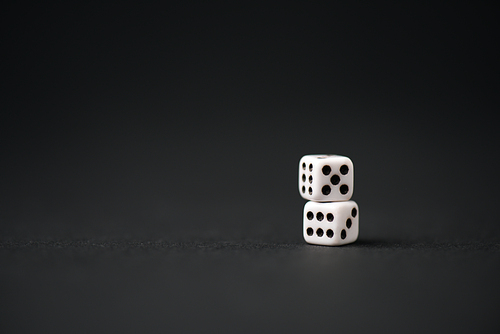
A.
pixel 331 223
pixel 330 217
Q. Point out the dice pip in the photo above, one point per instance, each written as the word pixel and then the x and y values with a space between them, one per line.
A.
pixel 326 178
pixel 330 217
pixel 331 223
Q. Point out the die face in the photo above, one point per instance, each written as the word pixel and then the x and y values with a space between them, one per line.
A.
pixel 331 224
pixel 326 178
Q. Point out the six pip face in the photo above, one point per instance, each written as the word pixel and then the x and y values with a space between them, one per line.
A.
pixel 332 223
pixel 325 178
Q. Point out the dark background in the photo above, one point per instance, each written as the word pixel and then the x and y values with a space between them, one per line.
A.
pixel 149 166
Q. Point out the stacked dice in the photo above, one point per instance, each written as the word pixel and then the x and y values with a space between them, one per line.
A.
pixel 330 217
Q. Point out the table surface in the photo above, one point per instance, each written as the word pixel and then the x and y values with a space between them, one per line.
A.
pixel 149 167
pixel 248 286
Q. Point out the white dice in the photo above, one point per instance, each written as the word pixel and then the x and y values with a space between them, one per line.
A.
pixel 326 178
pixel 331 223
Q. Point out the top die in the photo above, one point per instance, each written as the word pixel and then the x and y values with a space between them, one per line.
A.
pixel 326 178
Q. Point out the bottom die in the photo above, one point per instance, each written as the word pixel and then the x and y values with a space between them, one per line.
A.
pixel 331 223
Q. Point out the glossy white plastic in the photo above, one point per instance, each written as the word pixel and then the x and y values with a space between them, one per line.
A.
pixel 332 223
pixel 326 178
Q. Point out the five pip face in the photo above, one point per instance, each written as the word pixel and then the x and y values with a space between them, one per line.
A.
pixel 326 178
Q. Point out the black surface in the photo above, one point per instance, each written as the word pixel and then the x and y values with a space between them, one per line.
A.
pixel 149 158
pixel 157 286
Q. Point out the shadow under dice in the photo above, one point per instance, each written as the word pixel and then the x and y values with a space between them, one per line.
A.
pixel 326 178
pixel 331 224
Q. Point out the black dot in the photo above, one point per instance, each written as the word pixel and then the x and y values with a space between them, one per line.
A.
pixel 319 216
pixel 354 212
pixel 310 179
pixel 329 217
pixel 303 189
pixel 344 189
pixel 319 232
pixel 335 179
pixel 309 231
pixel 326 169
pixel 304 166
pixel 343 234
pixel 310 215
pixel 329 233
pixel 303 177
pixel 310 191
pixel 344 169
pixel 310 167
pixel 348 223
pixel 326 190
